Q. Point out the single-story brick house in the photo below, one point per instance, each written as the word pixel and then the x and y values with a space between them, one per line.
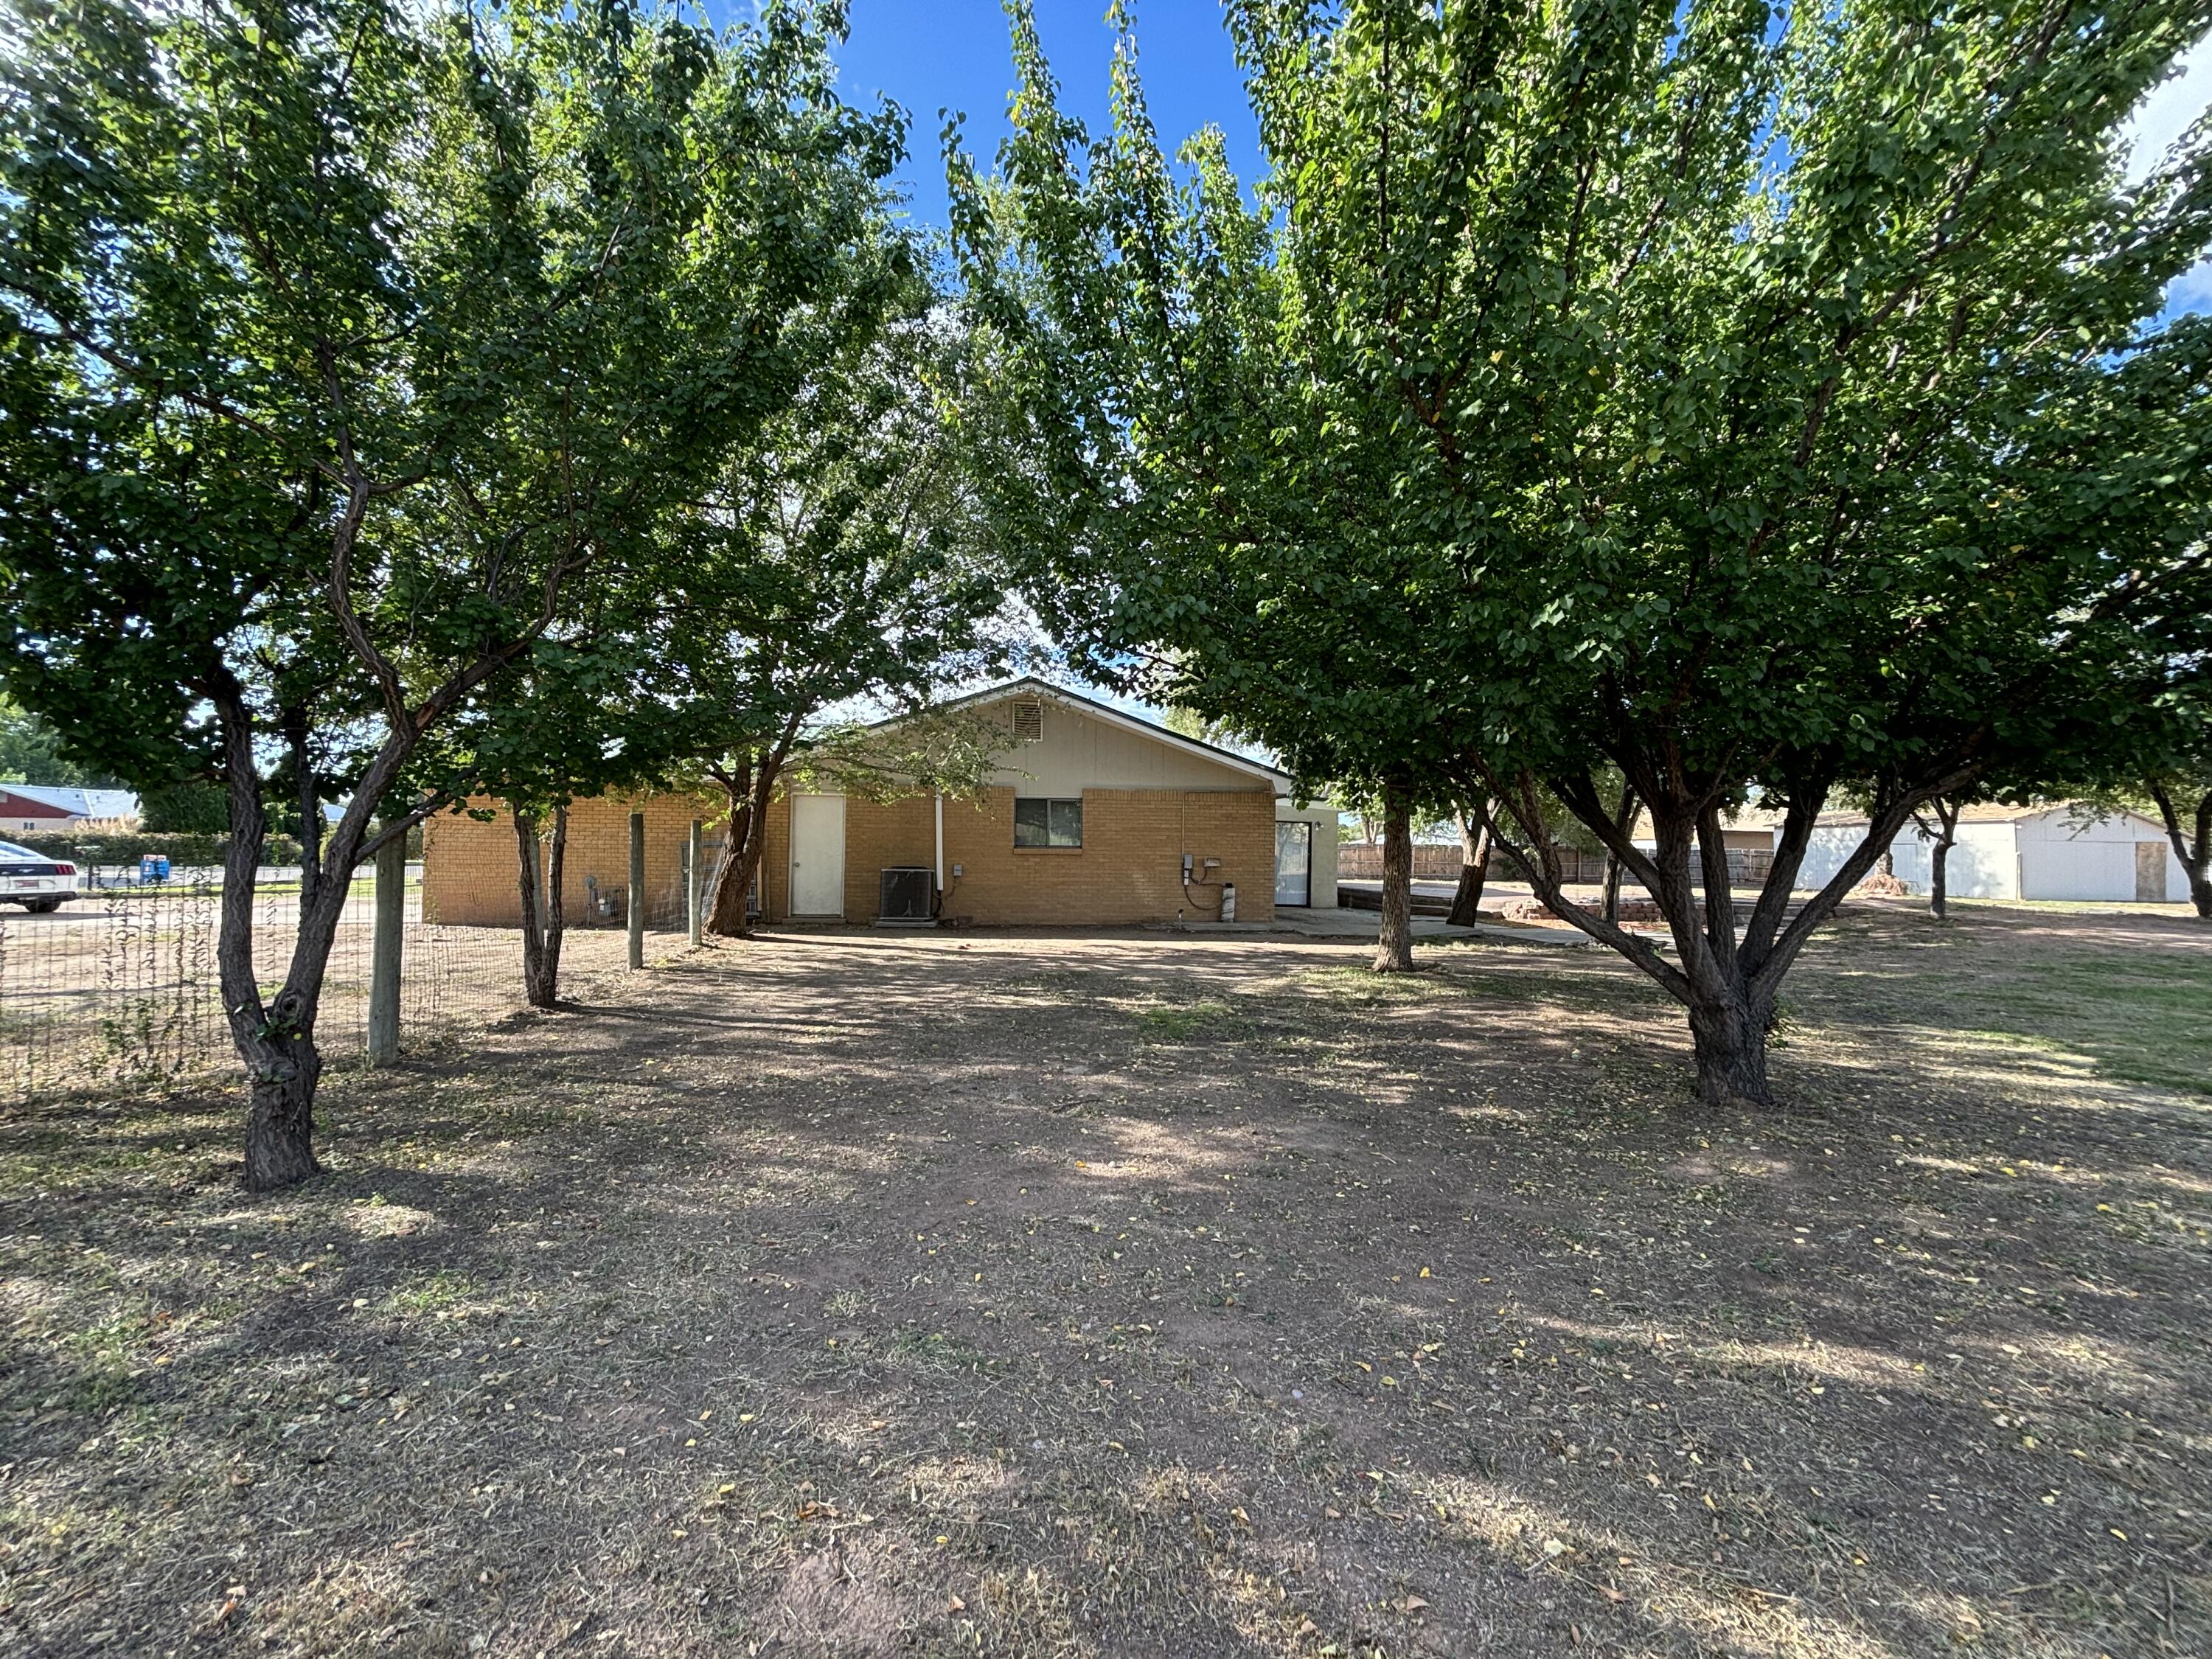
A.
pixel 1094 817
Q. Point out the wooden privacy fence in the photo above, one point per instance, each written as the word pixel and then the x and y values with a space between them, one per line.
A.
pixel 1357 860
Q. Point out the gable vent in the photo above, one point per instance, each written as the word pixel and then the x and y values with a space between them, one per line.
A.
pixel 1029 722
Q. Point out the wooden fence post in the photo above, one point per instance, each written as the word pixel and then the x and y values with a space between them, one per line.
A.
pixel 692 889
pixel 384 957
pixel 635 902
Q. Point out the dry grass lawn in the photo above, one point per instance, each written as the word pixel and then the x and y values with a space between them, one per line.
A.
pixel 855 1293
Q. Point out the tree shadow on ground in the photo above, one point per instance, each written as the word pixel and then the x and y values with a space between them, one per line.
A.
pixel 1119 1296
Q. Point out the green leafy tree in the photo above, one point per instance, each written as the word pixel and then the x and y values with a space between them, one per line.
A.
pixel 337 344
pixel 195 809
pixel 1716 396
pixel 840 565
pixel 31 752
pixel 578 719
pixel 2167 774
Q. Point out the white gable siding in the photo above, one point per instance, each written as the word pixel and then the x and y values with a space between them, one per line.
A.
pixel 1078 753
pixel 2062 859
pixel 1984 864
pixel 2040 855
pixel 1981 864
pixel 1832 843
pixel 1826 851
pixel 2078 869
pixel 1912 860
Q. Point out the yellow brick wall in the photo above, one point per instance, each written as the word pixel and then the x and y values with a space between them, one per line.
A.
pixel 472 872
pixel 776 860
pixel 1129 868
pixel 879 834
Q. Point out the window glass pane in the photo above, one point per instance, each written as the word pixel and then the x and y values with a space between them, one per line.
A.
pixel 1031 821
pixel 1066 823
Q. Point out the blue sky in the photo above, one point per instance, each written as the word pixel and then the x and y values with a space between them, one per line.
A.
pixel 2165 114
pixel 929 54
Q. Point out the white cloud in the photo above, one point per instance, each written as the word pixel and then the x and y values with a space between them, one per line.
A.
pixel 2164 117
pixel 2192 290
pixel 2171 106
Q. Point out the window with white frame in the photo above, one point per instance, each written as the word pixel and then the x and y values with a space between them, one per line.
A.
pixel 1041 823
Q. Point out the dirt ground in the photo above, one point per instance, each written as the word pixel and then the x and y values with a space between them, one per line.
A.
pixel 868 1293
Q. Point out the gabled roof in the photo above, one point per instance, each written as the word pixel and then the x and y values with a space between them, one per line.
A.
pixel 67 801
pixel 27 800
pixel 1029 686
pixel 110 804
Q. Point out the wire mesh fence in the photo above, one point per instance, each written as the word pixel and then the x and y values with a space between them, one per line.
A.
pixel 120 987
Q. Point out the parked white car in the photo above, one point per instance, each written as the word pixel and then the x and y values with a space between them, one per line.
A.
pixel 36 881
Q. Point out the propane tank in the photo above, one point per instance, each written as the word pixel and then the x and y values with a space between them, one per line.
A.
pixel 1229 901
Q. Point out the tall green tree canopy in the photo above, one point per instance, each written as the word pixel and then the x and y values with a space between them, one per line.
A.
pixel 31 752
pixel 340 340
pixel 1744 397
pixel 841 566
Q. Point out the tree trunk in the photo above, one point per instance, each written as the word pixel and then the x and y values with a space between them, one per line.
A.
pixel 726 917
pixel 1728 966
pixel 544 911
pixel 279 1119
pixel 1629 811
pixel 750 790
pixel 1729 1017
pixel 1394 948
pixel 532 886
pixel 1474 873
pixel 727 913
pixel 276 1038
pixel 2195 857
pixel 557 909
pixel 1947 836
pixel 1729 1033
pixel 277 1048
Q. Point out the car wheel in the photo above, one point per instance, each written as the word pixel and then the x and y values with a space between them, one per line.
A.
pixel 40 906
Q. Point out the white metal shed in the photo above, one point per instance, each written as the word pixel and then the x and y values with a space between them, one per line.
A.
pixel 2021 852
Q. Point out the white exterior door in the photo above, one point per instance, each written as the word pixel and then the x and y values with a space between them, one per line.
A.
pixel 817 855
pixel 1293 863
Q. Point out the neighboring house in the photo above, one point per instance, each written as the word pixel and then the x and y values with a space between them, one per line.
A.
pixel 2019 852
pixel 1094 817
pixel 36 807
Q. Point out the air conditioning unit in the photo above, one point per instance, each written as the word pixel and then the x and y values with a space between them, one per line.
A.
pixel 909 897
